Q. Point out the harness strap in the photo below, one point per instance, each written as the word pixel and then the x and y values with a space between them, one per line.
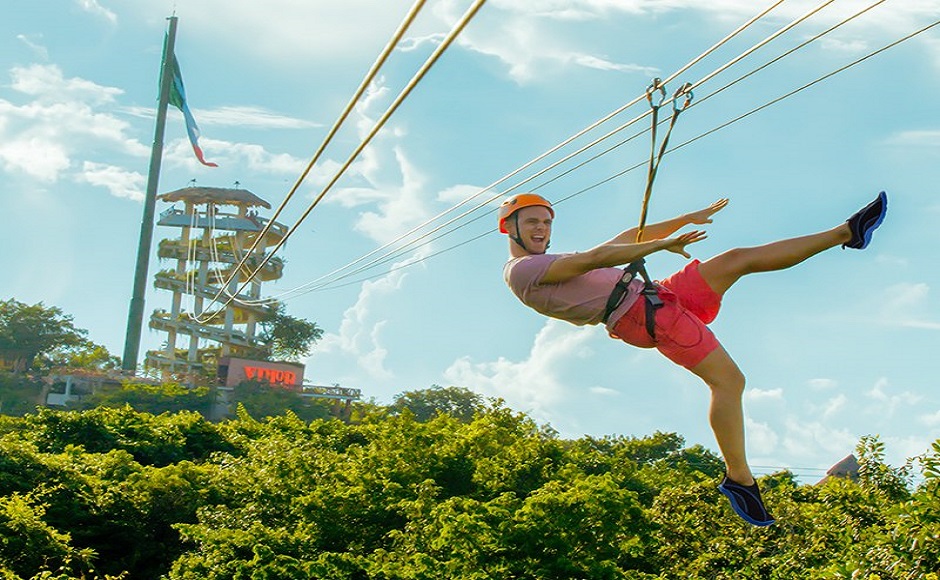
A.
pixel 684 93
pixel 649 293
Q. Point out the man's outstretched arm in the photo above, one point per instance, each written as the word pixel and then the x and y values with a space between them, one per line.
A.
pixel 610 255
pixel 666 228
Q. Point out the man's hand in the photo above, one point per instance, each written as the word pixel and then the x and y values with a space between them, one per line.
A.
pixel 704 216
pixel 677 244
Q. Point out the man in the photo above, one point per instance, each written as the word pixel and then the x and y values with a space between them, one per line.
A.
pixel 588 288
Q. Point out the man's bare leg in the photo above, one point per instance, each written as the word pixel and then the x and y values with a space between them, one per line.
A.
pixel 722 271
pixel 725 414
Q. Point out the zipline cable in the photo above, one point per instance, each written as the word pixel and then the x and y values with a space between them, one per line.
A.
pixel 701 100
pixel 547 153
pixel 687 89
pixel 458 28
pixel 366 81
pixel 332 283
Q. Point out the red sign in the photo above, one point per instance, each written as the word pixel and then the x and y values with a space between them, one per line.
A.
pixel 274 376
pixel 238 370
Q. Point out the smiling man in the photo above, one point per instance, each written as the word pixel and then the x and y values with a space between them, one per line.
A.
pixel 670 315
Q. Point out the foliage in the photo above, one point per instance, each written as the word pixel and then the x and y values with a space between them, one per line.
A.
pixel 26 332
pixel 19 394
pixel 261 399
pixel 426 404
pixel 113 492
pixel 287 337
pixel 153 398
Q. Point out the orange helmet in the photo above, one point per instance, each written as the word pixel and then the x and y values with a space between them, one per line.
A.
pixel 516 202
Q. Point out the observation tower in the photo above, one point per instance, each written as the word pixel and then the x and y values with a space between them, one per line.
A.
pixel 207 321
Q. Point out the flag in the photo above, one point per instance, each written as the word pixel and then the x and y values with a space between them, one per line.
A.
pixel 178 100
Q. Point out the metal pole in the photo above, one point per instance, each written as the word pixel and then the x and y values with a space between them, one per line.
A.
pixel 135 315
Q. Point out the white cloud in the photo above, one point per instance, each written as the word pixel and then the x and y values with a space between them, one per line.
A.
pixel 604 391
pixel 908 305
pixel 852 46
pixel 359 335
pixel 806 439
pixel 53 133
pixel 291 32
pixel 46 82
pixel 761 438
pixel 119 181
pixel 931 420
pixel 251 158
pixel 929 138
pixel 31 42
pixel 834 405
pixel 93 7
pixel 534 384
pixel 458 193
pixel 823 384
pixel 888 403
pixel 249 116
pixel 756 395
pixel 35 156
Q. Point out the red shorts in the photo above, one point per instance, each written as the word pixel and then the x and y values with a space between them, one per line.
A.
pixel 689 303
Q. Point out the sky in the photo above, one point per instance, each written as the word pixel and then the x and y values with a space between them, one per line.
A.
pixel 840 347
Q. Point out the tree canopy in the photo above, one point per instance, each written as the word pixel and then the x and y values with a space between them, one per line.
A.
pixel 287 337
pixel 39 337
pixel 113 492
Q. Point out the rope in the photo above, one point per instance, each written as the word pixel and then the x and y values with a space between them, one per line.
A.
pixel 525 166
pixel 458 28
pixel 332 283
pixel 654 158
pixel 366 81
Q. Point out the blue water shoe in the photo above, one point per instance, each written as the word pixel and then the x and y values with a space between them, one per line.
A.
pixel 865 221
pixel 746 502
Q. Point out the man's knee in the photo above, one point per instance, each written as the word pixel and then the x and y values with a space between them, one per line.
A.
pixel 732 382
pixel 721 373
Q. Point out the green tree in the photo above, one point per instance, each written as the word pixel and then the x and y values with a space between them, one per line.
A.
pixel 426 404
pixel 156 398
pixel 29 545
pixel 261 399
pixel 86 355
pixel 28 332
pixel 287 337
pixel 19 394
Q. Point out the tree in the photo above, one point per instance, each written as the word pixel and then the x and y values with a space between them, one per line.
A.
pixel 287 337
pixel 26 332
pixel 261 399
pixel 19 394
pixel 88 355
pixel 152 398
pixel 425 404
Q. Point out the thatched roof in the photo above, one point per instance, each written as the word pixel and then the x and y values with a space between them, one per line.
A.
pixel 217 195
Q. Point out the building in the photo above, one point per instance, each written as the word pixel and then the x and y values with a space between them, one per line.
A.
pixel 213 321
pixel 213 312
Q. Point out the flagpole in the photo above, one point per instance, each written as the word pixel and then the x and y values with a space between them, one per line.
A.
pixel 135 315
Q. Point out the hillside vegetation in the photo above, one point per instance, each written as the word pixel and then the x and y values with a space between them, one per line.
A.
pixel 404 493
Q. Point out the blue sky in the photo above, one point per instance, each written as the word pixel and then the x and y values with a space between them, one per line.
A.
pixel 840 347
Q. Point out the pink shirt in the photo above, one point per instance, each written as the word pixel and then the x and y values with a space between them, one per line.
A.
pixel 580 300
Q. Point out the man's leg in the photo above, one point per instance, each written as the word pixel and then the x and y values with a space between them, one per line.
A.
pixel 725 414
pixel 722 271
pixel 727 421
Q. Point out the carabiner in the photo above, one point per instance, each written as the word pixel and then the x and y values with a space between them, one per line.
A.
pixel 657 85
pixel 683 91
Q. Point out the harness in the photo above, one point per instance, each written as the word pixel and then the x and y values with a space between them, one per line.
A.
pixel 649 292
